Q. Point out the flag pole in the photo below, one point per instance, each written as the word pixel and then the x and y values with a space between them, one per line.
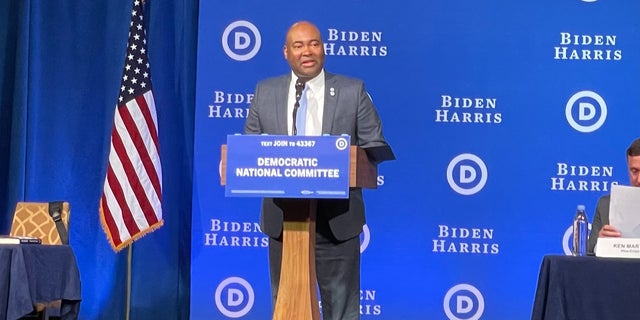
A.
pixel 127 210
pixel 128 293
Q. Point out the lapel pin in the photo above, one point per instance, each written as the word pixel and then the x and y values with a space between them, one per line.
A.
pixel 332 91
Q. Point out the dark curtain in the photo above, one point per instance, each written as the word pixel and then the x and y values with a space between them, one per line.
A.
pixel 60 68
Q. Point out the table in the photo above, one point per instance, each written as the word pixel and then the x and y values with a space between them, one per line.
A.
pixel 34 273
pixel 584 288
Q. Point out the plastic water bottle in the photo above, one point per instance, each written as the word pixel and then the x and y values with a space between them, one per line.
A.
pixel 580 232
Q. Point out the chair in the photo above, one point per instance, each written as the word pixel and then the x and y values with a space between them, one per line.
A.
pixel 33 219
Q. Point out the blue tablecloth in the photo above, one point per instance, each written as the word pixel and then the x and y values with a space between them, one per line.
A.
pixel 585 288
pixel 31 274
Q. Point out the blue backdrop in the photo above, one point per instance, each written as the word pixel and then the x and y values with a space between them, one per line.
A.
pixel 503 116
pixel 473 96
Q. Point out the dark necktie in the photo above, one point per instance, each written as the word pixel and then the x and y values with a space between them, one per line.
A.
pixel 299 108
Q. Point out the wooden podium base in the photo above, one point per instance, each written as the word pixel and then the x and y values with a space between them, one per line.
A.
pixel 297 293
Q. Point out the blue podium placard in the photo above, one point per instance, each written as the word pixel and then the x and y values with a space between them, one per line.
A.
pixel 281 166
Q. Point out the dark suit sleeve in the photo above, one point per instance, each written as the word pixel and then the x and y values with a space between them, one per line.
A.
pixel 598 222
pixel 368 126
pixel 252 124
pixel 596 225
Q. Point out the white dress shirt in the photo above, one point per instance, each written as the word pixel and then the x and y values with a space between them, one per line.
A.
pixel 315 105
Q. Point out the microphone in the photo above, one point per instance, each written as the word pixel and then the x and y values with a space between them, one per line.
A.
pixel 299 88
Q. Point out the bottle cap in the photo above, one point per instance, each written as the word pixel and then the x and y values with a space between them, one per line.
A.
pixel 581 207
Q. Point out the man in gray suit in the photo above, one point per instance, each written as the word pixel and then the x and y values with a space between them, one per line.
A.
pixel 335 105
pixel 600 226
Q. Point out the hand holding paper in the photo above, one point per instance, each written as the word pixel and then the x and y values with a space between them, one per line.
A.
pixel 608 231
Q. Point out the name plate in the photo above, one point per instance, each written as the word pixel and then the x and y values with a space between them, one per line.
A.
pixel 618 248
pixel 279 166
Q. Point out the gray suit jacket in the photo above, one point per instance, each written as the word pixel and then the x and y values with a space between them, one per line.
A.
pixel 600 218
pixel 348 111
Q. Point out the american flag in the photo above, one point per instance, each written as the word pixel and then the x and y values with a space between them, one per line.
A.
pixel 130 206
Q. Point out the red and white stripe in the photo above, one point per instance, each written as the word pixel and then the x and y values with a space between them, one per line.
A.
pixel 132 196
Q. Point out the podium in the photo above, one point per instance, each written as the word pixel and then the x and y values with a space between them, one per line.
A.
pixel 297 297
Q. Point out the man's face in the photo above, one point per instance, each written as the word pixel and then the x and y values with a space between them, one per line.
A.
pixel 304 50
pixel 633 163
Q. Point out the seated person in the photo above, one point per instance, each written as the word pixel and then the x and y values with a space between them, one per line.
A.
pixel 600 226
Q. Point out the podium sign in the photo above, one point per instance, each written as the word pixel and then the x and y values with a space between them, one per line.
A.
pixel 280 166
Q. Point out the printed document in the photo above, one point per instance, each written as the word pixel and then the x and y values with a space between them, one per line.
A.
pixel 624 210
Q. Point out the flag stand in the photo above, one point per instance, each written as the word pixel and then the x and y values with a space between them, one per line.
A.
pixel 128 293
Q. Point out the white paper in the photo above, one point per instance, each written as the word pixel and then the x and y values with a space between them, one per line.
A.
pixel 624 210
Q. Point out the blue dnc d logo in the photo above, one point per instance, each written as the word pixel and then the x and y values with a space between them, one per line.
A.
pixel 241 40
pixel 586 111
pixel 463 302
pixel 234 297
pixel 467 174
